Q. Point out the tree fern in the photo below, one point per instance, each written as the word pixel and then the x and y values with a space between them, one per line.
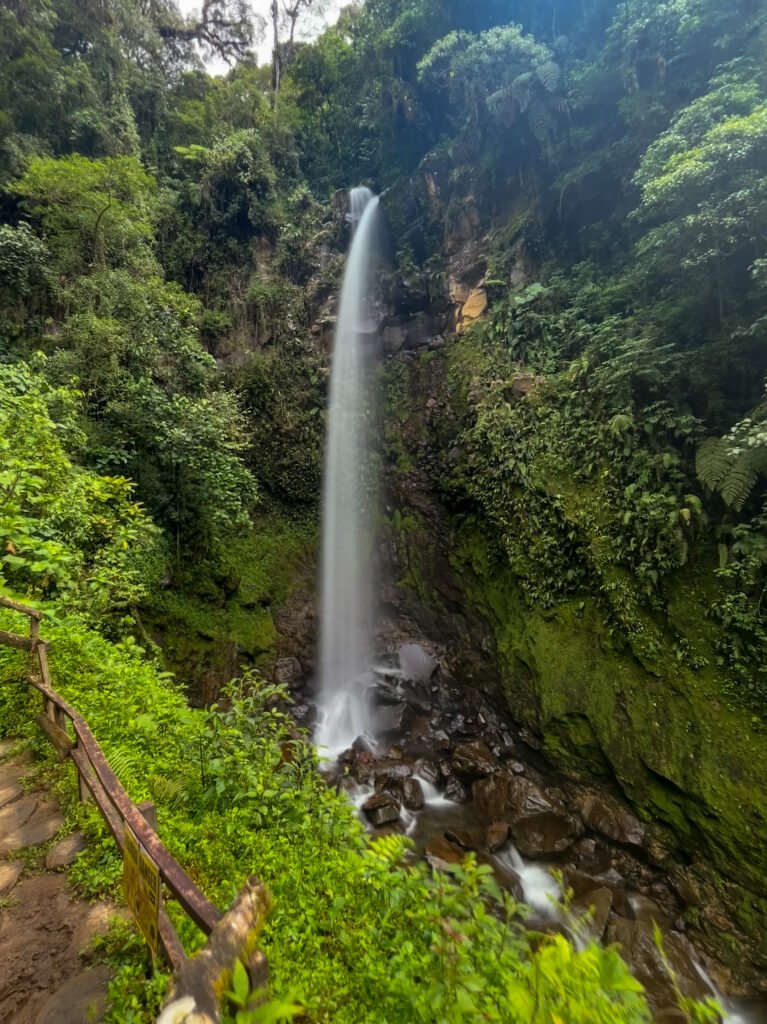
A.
pixel 549 75
pixel 731 471
pixel 540 120
pixel 712 461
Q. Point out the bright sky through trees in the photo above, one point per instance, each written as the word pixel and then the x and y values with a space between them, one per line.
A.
pixel 310 27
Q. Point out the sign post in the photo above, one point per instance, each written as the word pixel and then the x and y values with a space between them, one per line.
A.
pixel 141 886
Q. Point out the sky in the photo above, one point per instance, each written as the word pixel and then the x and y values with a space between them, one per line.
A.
pixel 263 7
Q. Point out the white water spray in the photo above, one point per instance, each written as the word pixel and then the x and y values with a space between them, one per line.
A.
pixel 347 591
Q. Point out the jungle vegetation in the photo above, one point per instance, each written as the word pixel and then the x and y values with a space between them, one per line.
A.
pixel 167 237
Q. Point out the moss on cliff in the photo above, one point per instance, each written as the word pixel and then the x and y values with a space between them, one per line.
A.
pixel 625 690
pixel 219 617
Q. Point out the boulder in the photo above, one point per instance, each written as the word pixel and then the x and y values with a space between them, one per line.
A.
pixel 440 853
pixel 427 769
pixel 545 833
pixel 493 795
pixel 395 719
pixel 288 671
pixel 455 790
pixel 597 904
pixel 608 816
pixel 380 809
pixel 412 794
pixel 462 837
pixel 362 767
pixel 497 834
pixel 638 949
pixel 474 760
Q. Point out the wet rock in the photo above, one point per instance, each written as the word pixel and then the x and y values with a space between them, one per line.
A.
pixel 597 904
pixel 498 833
pixel 544 833
pixel 474 760
pixel 363 767
pixel 427 769
pixel 493 795
pixel 65 851
pixel 412 794
pixel 395 753
pixel 642 908
pixel 455 790
pixel 288 671
pixel 638 948
pixel 463 725
pixel 528 736
pixel 590 855
pixel 380 809
pixel 462 837
pixel 440 740
pixel 440 853
pixel 416 663
pixel 395 719
pixel 607 815
pixel 686 887
pixel 393 770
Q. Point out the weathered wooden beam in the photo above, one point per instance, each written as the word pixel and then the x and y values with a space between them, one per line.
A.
pixel 33 613
pixel 58 737
pixel 198 986
pixel 148 813
pixel 195 904
pixel 21 643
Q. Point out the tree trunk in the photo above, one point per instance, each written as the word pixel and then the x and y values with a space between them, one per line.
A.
pixel 275 49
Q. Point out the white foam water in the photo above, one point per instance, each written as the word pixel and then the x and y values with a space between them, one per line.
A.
pixel 347 586
pixel 540 889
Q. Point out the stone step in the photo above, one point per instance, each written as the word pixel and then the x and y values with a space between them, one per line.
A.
pixel 80 999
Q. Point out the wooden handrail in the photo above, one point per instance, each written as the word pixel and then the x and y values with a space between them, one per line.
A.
pixel 97 781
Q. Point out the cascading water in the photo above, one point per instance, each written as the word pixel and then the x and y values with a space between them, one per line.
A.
pixel 347 590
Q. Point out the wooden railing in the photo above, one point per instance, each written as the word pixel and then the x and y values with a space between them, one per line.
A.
pixel 231 935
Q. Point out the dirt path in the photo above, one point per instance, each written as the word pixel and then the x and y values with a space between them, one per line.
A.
pixel 44 979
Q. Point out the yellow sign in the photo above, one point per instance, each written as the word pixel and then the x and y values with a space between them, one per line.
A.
pixel 141 885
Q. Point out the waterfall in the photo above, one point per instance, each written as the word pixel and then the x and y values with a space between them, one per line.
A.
pixel 348 517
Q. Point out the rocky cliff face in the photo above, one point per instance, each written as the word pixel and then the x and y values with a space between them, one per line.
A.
pixel 656 733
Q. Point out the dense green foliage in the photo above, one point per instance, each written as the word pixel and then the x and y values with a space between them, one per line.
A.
pixel 356 932
pixel 168 245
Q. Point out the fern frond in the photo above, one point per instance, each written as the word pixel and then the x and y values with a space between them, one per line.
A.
pixel 540 120
pixel 171 792
pixel 549 75
pixel 123 763
pixel 738 483
pixel 713 461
